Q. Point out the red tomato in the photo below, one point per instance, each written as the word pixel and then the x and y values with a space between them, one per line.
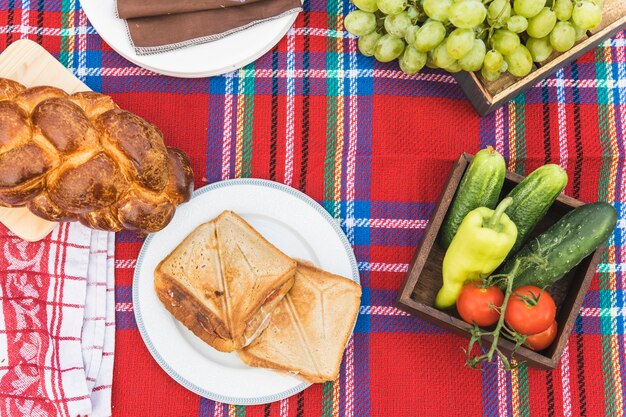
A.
pixel 542 340
pixel 530 310
pixel 474 304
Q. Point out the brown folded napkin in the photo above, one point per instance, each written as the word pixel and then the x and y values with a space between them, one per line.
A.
pixel 165 32
pixel 128 9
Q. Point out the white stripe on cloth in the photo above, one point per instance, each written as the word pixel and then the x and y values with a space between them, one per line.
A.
pixel 47 321
pixel 101 394
pixel 95 307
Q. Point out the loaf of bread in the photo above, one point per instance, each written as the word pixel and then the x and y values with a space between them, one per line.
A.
pixel 80 157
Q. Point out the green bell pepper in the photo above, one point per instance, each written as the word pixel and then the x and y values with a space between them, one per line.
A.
pixel 480 245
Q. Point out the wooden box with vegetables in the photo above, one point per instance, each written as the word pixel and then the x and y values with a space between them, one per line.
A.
pixel 506 261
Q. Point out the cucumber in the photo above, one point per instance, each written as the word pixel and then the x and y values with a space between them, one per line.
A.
pixel 549 256
pixel 533 197
pixel 480 187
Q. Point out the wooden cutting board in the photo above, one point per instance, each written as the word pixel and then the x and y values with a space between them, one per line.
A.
pixel 30 64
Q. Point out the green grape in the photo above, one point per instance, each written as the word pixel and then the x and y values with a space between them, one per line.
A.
pixel 528 8
pixel 391 7
pixel 540 49
pixel 366 5
pixel 563 9
pixel 431 34
pixel 360 23
pixel 367 43
pixel 441 58
pixel 460 42
pixel 414 14
pixel 505 41
pixel 473 61
pixel 397 24
pixel 517 24
pixel 412 60
pixel 493 61
pixel 498 13
pixel 467 14
pixel 437 9
pixel 454 67
pixel 411 32
pixel 490 75
pixel 542 24
pixel 388 48
pixel 429 61
pixel 580 32
pixel 519 62
pixel 563 36
pixel 587 15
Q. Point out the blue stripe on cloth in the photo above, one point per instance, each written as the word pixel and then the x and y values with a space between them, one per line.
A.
pixel 126 236
pixel 402 324
pixel 490 389
pixel 362 208
pixel 93 60
pixel 214 140
pixel 123 294
pixel 401 210
pixel 488 131
pixel 361 375
pixel 206 408
pixel 125 320
pixel 396 237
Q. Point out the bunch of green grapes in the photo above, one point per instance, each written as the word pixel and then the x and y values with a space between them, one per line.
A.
pixel 490 36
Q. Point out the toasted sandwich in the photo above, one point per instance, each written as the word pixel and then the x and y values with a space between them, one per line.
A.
pixel 309 330
pixel 223 281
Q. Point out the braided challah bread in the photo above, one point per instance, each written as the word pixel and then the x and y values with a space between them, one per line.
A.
pixel 80 157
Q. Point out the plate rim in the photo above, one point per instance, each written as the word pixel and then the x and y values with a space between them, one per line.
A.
pixel 136 303
pixel 136 59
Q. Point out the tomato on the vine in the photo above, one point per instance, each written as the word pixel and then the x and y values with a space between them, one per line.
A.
pixel 476 304
pixel 542 340
pixel 530 310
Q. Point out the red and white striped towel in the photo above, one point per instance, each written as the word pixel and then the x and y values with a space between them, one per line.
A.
pixel 57 323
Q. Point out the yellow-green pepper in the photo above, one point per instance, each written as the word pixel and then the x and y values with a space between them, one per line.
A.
pixel 482 242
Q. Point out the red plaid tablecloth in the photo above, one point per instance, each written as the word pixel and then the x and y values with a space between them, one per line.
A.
pixel 374 147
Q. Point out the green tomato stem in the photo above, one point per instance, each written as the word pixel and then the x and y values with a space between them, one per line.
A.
pixel 507 295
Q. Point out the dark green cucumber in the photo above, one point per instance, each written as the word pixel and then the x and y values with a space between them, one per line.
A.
pixel 480 187
pixel 533 197
pixel 548 257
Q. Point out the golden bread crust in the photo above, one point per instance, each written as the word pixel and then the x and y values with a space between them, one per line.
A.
pixel 80 157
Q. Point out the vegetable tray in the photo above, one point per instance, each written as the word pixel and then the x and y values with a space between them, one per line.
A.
pixel 423 279
pixel 487 96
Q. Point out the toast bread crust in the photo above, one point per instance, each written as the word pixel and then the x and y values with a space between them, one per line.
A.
pixel 223 275
pixel 309 329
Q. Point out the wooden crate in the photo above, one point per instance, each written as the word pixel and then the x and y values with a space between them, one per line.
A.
pixel 487 96
pixel 423 279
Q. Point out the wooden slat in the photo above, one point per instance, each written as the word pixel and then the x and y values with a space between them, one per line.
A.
pixel 488 96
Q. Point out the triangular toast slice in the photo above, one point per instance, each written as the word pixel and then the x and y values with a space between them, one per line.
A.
pixel 223 280
pixel 309 329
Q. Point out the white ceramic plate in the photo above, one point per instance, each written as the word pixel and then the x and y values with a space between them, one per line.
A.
pixel 206 60
pixel 289 219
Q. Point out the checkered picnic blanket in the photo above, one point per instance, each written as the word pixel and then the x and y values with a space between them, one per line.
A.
pixel 374 147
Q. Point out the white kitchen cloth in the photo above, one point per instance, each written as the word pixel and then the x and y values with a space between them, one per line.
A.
pixel 51 323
